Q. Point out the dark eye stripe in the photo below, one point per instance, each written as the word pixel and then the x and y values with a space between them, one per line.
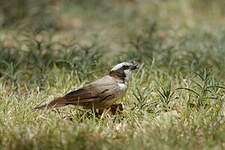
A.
pixel 125 67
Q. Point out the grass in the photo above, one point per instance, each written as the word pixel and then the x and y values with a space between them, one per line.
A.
pixel 174 101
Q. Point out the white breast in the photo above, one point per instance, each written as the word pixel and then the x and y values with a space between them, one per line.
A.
pixel 122 86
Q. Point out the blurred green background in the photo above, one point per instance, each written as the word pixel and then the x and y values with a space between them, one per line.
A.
pixel 176 35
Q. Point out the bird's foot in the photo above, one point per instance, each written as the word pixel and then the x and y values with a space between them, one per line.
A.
pixel 116 108
pixel 112 110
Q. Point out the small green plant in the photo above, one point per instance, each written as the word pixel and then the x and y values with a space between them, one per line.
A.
pixel 142 98
pixel 166 96
pixel 205 90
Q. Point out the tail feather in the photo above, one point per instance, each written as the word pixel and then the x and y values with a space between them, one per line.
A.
pixel 58 102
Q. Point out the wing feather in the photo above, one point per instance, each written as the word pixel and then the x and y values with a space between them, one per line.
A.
pixel 94 92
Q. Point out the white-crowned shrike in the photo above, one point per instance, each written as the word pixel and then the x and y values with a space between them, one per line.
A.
pixel 100 94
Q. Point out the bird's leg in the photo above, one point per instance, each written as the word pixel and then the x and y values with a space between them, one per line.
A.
pixel 98 112
pixel 102 112
pixel 113 109
pixel 116 108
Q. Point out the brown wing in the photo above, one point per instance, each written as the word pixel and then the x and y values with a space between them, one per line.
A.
pixel 84 94
pixel 94 92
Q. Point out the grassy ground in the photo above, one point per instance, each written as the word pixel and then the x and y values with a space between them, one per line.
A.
pixel 175 100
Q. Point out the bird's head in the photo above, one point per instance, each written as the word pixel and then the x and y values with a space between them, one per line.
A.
pixel 123 70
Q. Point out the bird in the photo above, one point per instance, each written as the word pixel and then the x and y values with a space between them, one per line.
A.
pixel 100 94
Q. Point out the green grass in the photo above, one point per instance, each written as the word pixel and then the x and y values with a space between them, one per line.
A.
pixel 174 101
